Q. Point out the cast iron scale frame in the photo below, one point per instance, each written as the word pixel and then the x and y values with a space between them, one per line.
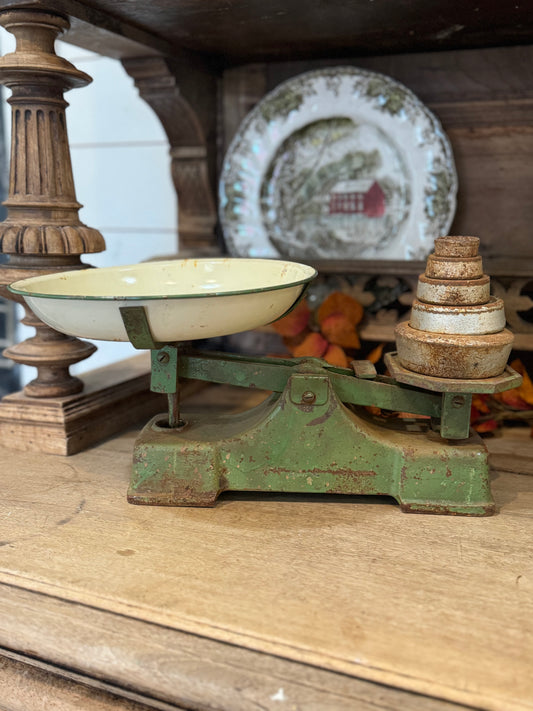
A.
pixel 312 434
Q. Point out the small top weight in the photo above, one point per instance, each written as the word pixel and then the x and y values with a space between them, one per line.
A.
pixel 452 246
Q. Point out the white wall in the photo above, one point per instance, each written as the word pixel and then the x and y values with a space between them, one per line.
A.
pixel 121 171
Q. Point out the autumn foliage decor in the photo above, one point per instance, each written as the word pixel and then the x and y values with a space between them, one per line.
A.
pixel 489 412
pixel 329 332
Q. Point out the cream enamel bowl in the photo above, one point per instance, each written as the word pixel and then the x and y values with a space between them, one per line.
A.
pixel 184 299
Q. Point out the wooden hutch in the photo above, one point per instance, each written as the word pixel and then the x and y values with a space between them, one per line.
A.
pixel 265 603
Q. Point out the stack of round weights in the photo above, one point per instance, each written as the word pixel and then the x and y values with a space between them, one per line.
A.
pixel 457 329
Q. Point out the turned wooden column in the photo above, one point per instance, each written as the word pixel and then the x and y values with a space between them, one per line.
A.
pixel 42 232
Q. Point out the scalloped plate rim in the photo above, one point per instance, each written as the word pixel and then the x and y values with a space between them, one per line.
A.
pixel 246 235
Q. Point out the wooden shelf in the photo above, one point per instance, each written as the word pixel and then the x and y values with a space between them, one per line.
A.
pixel 335 603
pixel 239 32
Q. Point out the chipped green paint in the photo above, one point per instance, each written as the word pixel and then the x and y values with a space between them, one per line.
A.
pixel 304 439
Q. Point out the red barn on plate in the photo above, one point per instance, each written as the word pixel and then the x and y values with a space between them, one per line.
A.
pixel 357 197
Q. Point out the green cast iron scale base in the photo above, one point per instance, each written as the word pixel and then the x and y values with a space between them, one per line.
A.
pixel 312 435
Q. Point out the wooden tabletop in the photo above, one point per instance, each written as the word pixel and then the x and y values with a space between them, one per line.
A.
pixel 264 601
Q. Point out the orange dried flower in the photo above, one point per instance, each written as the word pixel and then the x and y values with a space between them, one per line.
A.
pixel 337 302
pixel 373 410
pixel 295 322
pixel 520 398
pixel 480 404
pixel 313 345
pixel 486 426
pixel 375 354
pixel 339 330
pixel 512 399
pixel 525 390
pixel 335 355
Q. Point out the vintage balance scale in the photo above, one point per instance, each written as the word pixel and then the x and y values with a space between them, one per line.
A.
pixel 313 434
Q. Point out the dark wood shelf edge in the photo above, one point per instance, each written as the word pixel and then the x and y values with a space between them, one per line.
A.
pixel 492 266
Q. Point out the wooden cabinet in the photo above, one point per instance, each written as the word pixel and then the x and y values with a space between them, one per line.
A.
pixel 284 602
pixel 203 65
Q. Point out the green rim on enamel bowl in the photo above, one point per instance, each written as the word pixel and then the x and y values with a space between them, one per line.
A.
pixel 33 286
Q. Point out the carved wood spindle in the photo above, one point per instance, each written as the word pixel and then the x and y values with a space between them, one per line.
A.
pixel 42 232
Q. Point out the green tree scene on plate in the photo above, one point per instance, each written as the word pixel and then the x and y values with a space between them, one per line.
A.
pixel 281 105
pixel 437 198
pixel 298 192
pixel 393 96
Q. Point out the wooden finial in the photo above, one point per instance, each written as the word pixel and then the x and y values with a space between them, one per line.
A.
pixel 42 232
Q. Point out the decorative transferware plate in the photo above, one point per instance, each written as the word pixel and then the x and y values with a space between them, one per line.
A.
pixel 338 163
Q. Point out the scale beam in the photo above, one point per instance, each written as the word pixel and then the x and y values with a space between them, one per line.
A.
pixel 273 373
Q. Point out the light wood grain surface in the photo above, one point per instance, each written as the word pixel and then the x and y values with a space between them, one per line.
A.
pixel 511 450
pixel 349 588
pixel 25 687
